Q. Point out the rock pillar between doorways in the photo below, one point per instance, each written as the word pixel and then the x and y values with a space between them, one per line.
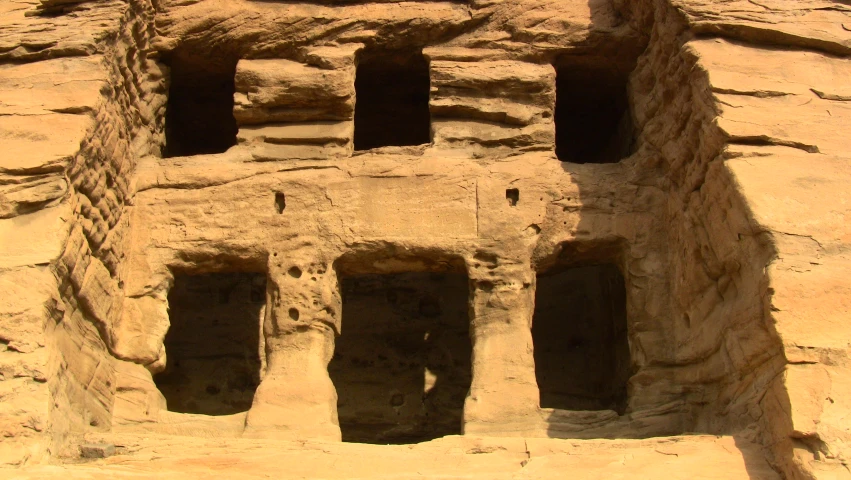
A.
pixel 503 397
pixel 296 399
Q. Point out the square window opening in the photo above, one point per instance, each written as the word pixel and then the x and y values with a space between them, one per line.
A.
pixel 402 365
pixel 213 344
pixel 199 113
pixel 579 331
pixel 592 117
pixel 391 108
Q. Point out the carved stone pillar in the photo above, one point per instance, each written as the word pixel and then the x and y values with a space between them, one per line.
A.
pixel 295 398
pixel 504 394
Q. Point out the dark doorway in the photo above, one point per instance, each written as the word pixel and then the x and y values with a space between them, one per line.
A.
pixel 593 122
pixel 580 336
pixel 402 363
pixel 213 343
pixel 199 115
pixel 391 108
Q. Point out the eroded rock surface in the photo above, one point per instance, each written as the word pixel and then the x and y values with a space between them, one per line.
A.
pixel 234 226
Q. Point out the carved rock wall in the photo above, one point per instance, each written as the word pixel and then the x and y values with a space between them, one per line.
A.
pixel 725 216
pixel 71 151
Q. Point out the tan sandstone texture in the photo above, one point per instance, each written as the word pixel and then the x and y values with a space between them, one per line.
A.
pixel 496 239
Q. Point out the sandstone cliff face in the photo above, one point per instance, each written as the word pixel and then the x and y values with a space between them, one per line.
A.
pixel 390 222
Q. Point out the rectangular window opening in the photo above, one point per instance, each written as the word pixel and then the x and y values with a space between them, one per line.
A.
pixel 213 344
pixel 391 108
pixel 592 117
pixel 199 113
pixel 402 365
pixel 513 196
pixel 280 202
pixel 579 331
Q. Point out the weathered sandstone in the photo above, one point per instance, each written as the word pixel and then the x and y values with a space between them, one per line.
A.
pixel 520 238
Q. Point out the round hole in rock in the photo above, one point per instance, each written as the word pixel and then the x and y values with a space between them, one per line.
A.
pixel 294 314
pixel 294 272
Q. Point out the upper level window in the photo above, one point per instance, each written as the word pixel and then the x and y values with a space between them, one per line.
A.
pixel 391 107
pixel 199 114
pixel 592 117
